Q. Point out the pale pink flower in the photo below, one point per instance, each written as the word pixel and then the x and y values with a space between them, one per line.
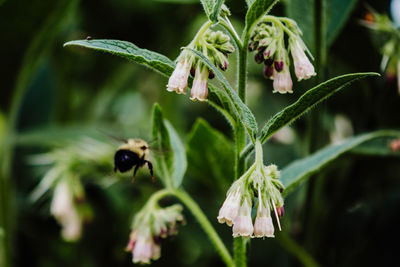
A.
pixel 143 248
pixel 179 79
pixel 199 89
pixel 243 225
pixel 64 210
pixel 282 81
pixel 230 208
pixel 302 65
pixel 263 226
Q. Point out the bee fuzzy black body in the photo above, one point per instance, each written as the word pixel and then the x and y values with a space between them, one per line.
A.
pixel 134 153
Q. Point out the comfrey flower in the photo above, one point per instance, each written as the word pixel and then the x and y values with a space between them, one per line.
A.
pixel 268 41
pixel 218 47
pixel 258 181
pixel 178 81
pixel 65 209
pixel 150 225
pixel 302 65
pixel 200 84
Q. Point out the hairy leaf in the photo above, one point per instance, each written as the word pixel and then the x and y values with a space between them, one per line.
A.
pixel 309 100
pixel 171 165
pixel 244 113
pixel 216 10
pixel 257 9
pixel 208 6
pixel 153 60
pixel 210 154
pixel 300 170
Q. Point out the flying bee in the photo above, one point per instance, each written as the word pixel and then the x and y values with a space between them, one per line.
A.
pixel 134 153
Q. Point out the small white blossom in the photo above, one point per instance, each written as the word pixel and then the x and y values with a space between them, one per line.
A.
pixel 179 79
pixel 230 208
pixel 282 81
pixel 302 65
pixel 63 209
pixel 199 89
pixel 143 248
pixel 263 226
pixel 243 225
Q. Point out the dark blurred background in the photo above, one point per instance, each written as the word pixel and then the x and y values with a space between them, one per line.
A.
pixel 347 216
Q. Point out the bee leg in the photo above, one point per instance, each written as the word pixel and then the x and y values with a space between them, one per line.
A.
pixel 150 169
pixel 134 173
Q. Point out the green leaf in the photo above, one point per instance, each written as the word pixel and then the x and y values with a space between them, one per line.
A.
pixel 303 12
pixel 208 6
pixel 334 14
pixel 216 10
pixel 308 100
pixel 153 60
pixel 210 154
pixel 300 170
pixel 249 3
pixel 257 9
pixel 171 165
pixel 338 12
pixel 376 147
pixel 242 111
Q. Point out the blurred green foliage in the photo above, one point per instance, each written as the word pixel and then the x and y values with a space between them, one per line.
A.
pixel 52 94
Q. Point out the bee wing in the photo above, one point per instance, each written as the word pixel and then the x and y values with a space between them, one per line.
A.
pixel 117 138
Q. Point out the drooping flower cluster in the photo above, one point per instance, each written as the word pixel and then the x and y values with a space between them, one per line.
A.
pixel 216 47
pixel 259 181
pixel 268 40
pixel 69 164
pixel 389 29
pixel 151 225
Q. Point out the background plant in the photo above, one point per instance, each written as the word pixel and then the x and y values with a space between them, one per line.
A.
pixel 112 109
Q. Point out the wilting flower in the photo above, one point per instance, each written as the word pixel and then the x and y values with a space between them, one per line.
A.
pixel 263 182
pixel 302 65
pixel 282 81
pixel 199 89
pixel 178 81
pixel 243 225
pixel 150 225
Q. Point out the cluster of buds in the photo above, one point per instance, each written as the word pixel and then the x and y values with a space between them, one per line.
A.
pixel 267 40
pixel 69 208
pixel 258 181
pixel 390 63
pixel 151 225
pixel 214 45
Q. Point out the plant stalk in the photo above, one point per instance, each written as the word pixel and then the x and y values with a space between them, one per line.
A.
pixel 205 224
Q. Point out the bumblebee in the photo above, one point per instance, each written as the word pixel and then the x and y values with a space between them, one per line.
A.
pixel 134 153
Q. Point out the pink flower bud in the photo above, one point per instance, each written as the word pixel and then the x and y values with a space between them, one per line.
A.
pixel 199 89
pixel 302 65
pixel 282 81
pixel 243 225
pixel 229 209
pixel 179 79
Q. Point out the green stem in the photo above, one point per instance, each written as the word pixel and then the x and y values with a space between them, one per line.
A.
pixel 239 250
pixel 228 26
pixel 205 224
pixel 239 244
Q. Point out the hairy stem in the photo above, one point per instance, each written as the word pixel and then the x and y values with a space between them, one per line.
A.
pixel 205 224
